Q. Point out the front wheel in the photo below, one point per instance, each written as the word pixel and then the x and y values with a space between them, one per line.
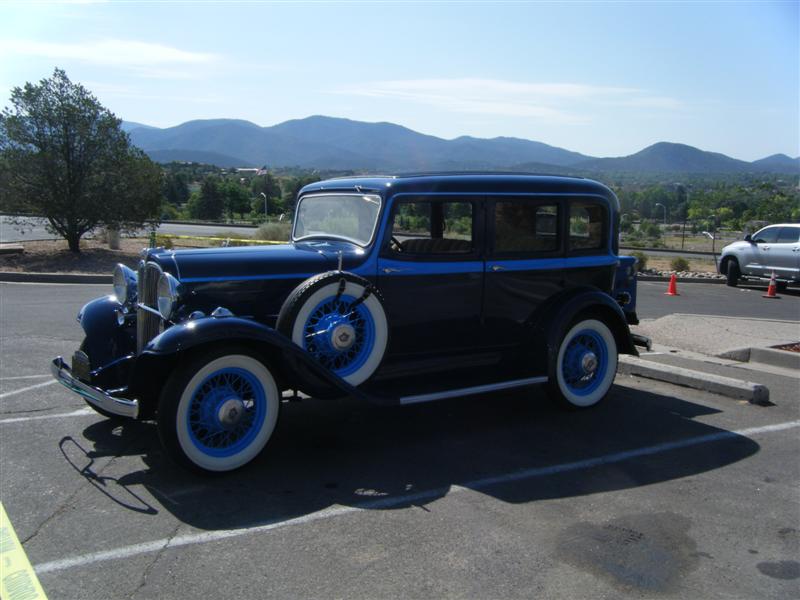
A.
pixel 733 273
pixel 218 411
pixel 585 365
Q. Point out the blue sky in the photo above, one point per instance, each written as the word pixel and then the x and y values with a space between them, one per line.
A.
pixel 605 79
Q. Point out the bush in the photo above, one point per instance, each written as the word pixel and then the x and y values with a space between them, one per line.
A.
pixel 641 261
pixel 278 232
pixel 650 229
pixel 164 241
pixel 679 264
pixel 169 212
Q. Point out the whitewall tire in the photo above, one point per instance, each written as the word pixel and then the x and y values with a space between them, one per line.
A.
pixel 218 412
pixel 586 364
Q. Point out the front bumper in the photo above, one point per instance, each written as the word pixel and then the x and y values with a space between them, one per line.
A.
pixel 95 396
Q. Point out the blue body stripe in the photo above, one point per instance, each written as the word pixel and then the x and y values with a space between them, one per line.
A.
pixel 441 268
pixel 428 268
pixel 545 264
pixel 528 264
pixel 264 277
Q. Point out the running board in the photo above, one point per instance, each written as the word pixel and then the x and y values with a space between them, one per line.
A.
pixel 469 391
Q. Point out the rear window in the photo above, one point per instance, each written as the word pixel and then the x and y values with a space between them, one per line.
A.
pixel 586 225
pixel 788 235
pixel 522 227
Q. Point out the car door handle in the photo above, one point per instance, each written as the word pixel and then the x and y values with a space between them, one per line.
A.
pixel 392 270
pixel 496 268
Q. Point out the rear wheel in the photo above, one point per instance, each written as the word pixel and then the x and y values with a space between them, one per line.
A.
pixel 218 411
pixel 585 365
pixel 733 273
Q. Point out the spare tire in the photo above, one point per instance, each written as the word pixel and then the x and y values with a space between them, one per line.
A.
pixel 339 319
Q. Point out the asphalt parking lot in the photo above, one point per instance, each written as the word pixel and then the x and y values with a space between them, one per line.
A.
pixel 661 491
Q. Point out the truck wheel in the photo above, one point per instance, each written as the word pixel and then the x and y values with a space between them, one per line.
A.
pixel 585 365
pixel 734 273
pixel 339 319
pixel 218 411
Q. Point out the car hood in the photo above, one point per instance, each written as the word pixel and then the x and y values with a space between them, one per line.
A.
pixel 740 245
pixel 247 262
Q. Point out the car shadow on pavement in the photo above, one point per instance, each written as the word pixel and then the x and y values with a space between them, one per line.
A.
pixel 510 446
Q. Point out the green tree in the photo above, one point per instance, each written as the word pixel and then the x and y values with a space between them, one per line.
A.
pixel 236 198
pixel 65 157
pixel 209 203
pixel 292 187
pixel 176 188
pixel 268 185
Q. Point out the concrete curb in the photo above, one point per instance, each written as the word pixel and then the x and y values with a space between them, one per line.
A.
pixel 20 277
pixel 766 356
pixel 755 393
pixel 669 250
pixel 680 279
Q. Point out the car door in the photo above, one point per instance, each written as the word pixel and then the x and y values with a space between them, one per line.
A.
pixel 762 260
pixel 523 264
pixel 430 273
pixel 785 253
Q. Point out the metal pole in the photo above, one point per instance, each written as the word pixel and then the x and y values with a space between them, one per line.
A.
pixel 685 214
pixel 265 206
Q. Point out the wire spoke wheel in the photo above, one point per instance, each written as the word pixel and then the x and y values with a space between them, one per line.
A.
pixel 586 364
pixel 217 412
pixel 338 318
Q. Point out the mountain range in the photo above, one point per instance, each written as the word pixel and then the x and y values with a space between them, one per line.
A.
pixel 341 144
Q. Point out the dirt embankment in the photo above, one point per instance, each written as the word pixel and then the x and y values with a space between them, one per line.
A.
pixel 54 257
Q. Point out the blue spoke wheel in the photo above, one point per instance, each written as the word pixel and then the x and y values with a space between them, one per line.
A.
pixel 338 318
pixel 218 413
pixel 586 364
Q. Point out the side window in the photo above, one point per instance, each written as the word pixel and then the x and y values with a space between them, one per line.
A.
pixel 789 235
pixel 523 227
pixel 586 226
pixel 426 227
pixel 768 235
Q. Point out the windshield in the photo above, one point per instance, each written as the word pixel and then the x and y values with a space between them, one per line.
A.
pixel 351 217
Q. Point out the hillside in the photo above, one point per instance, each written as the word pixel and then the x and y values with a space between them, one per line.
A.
pixel 320 142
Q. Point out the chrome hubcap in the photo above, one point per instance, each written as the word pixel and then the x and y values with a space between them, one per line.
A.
pixel 231 412
pixel 589 363
pixel 343 336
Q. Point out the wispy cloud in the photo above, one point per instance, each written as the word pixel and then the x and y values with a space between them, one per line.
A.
pixel 560 102
pixel 148 59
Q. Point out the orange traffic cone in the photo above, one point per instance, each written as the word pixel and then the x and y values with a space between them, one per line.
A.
pixel 772 289
pixel 672 289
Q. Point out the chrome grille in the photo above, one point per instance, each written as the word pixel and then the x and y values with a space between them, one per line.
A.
pixel 148 325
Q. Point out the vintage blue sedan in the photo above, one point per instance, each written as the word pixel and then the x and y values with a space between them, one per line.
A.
pixel 395 290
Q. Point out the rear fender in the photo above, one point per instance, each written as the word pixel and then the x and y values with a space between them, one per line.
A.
pixel 293 367
pixel 553 320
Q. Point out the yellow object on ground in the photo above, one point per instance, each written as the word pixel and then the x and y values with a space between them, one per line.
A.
pixel 17 579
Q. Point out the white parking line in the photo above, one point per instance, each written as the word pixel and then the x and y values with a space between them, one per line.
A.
pixel 75 413
pixel 25 377
pixel 390 502
pixel 26 389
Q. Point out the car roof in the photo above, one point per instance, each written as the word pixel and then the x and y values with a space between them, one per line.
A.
pixel 473 182
pixel 782 225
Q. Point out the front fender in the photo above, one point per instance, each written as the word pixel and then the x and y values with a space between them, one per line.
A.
pixel 105 340
pixel 298 368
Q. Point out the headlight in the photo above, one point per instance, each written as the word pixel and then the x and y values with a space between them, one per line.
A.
pixel 124 284
pixel 167 295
